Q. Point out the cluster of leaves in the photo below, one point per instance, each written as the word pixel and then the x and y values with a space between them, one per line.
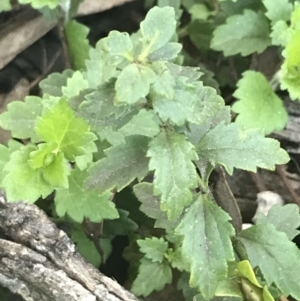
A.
pixel 239 29
pixel 132 115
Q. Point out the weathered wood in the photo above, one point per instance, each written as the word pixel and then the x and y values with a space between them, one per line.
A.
pixel 40 262
pixel 93 6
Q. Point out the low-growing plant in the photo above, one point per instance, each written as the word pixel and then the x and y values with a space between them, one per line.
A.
pixel 132 116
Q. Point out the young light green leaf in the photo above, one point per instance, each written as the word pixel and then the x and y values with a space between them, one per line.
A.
pixel 75 85
pixel 154 248
pixel 43 156
pixel 291 68
pixel 231 147
pixel 279 10
pixel 145 123
pixel 276 256
pixel 286 219
pixel 56 173
pixel 21 116
pixel 206 244
pixel 133 83
pixel 78 44
pixel 171 158
pixel 79 203
pixel 41 3
pixel 59 124
pixel 289 81
pixel 54 167
pixel 258 105
pixel 124 163
pixel 52 85
pixel 242 34
pixel 157 28
pixel 151 205
pixel 153 276
pixel 119 47
pixel 22 182
pixel 5 5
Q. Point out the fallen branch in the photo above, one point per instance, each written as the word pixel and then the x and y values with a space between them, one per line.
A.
pixel 39 261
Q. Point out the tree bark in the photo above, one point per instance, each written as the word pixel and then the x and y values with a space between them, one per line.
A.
pixel 40 263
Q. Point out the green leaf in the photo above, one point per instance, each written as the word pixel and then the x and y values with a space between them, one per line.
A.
pixel 290 81
pixel 43 156
pixel 21 116
pixel 82 162
pixel 154 248
pixel 145 123
pixel 165 82
pixel 41 3
pixel 78 44
pixel 200 33
pixel 94 68
pixel 57 172
pixel 151 205
pixel 85 246
pixel 4 158
pixel 121 226
pixel 5 5
pixel 279 10
pixel 157 28
pixel 97 70
pixel 171 158
pixel 167 52
pixel 249 285
pixel 173 3
pixel 231 147
pixel 246 271
pixel 75 85
pixel 55 168
pixel 258 105
pixel 286 219
pixel 280 33
pixel 206 244
pixel 195 104
pixel 176 259
pixel 23 182
pixel 119 47
pixel 277 258
pixel 52 85
pixel 124 163
pixel 133 83
pixel 104 116
pixel 183 285
pixel 153 276
pixel 59 124
pixel 79 203
pixel 242 34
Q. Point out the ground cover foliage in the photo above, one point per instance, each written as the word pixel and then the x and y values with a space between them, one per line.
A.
pixel 131 115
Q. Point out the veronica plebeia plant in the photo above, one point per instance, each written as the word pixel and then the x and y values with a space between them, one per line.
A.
pixel 129 114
